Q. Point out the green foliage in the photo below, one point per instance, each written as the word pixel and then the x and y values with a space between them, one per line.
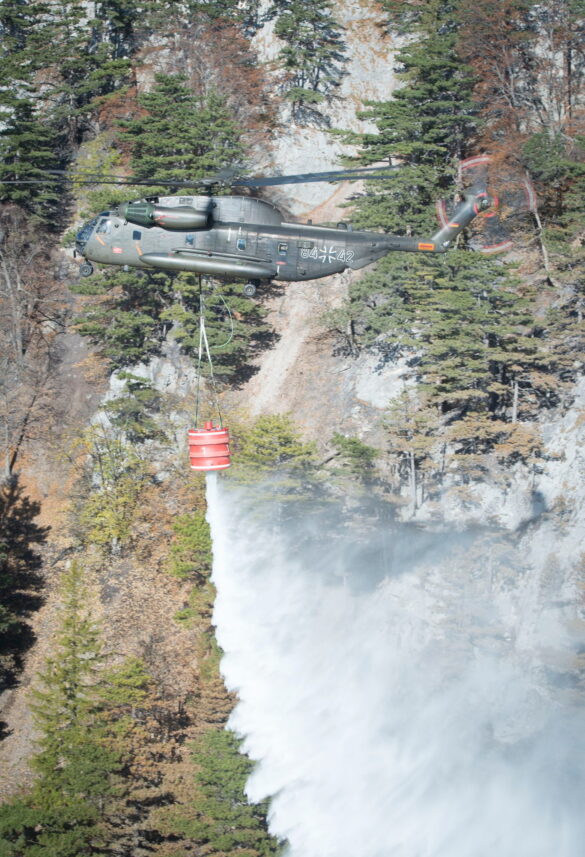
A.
pixel 191 550
pixel 20 578
pixel 427 124
pixel 357 457
pixel 55 65
pixel 27 150
pixel 73 762
pixel 281 473
pixel 357 453
pixel 127 684
pixel 181 135
pixel 127 324
pixel 234 324
pixel 28 143
pixel 117 476
pixel 80 713
pixel 462 320
pixel 469 331
pixel 130 322
pixel 557 165
pixel 313 55
pixel 271 442
pixel 134 411
pixel 163 14
pixel 225 823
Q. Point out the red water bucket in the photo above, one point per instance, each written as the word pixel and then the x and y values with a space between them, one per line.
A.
pixel 209 448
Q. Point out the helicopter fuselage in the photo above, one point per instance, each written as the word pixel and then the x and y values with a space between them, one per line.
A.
pixel 237 237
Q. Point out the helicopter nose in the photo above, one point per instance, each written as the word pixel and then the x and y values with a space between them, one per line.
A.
pixel 84 235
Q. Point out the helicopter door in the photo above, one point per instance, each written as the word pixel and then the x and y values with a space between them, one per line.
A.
pixel 286 258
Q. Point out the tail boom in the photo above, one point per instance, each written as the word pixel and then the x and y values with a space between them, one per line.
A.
pixel 440 242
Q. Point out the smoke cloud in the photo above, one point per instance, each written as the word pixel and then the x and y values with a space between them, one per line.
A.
pixel 404 694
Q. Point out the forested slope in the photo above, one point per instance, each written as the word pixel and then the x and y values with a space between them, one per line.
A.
pixel 111 694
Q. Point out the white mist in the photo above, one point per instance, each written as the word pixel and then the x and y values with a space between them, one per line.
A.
pixel 393 706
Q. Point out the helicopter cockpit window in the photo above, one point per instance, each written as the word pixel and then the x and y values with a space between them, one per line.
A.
pixel 85 232
pixel 282 248
pixel 305 245
pixel 104 225
pixel 136 235
pixel 241 243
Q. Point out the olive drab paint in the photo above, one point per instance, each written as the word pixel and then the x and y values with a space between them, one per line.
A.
pixel 240 237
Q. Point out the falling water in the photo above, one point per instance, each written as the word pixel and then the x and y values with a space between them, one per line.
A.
pixel 398 704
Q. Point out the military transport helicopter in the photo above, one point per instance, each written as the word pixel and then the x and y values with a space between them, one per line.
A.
pixel 242 237
pixel 237 236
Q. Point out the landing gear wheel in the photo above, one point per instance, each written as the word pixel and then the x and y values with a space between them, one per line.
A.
pixel 86 270
pixel 250 289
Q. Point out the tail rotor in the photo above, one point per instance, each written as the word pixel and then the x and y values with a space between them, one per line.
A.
pixel 503 197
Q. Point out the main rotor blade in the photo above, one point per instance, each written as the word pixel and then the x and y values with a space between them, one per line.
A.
pixel 330 176
pixel 221 179
pixel 229 177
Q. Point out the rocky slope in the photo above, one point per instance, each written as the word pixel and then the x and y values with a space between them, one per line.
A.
pixel 324 391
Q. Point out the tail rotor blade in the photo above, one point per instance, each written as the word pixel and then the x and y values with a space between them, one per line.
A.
pixel 512 197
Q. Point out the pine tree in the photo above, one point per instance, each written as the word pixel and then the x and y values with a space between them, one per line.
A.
pixel 89 58
pixel 138 311
pixel 28 149
pixel 135 410
pixel 191 551
pixel 114 476
pixel 20 578
pixel 225 823
pixel 55 62
pixel 427 125
pixel 234 324
pixel 28 143
pixel 90 740
pixel 74 765
pixel 181 135
pixel 313 55
pixel 460 319
pixel 412 426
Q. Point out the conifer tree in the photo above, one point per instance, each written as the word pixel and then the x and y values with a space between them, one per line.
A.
pixel 88 741
pixel 191 551
pixel 20 579
pixel 55 61
pixel 135 409
pixel 105 515
pixel 27 151
pixel 469 334
pixel 313 55
pixel 28 143
pixel 139 311
pixel 73 763
pixel 89 57
pixel 181 135
pixel 225 822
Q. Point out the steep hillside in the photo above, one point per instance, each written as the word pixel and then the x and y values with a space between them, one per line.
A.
pixel 414 400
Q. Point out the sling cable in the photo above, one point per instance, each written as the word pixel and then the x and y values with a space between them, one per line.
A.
pixel 209 448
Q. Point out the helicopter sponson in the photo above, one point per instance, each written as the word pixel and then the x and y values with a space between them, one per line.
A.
pixel 178 218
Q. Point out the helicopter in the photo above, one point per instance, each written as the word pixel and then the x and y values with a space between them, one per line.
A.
pixel 243 237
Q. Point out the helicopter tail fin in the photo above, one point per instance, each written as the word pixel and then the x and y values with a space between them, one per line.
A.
pixel 475 202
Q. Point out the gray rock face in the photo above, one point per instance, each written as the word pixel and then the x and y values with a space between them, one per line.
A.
pixel 370 77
